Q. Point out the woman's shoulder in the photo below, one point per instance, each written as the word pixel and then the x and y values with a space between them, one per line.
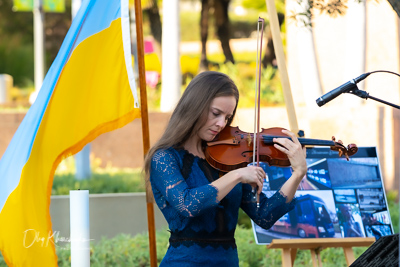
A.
pixel 166 153
pixel 166 157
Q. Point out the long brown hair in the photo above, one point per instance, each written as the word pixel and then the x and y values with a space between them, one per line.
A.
pixel 189 114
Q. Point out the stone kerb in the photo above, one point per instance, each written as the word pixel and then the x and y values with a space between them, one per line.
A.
pixel 109 215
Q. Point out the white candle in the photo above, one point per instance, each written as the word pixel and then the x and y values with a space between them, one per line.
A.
pixel 79 227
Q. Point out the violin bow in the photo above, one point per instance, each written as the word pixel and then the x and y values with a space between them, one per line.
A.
pixel 257 100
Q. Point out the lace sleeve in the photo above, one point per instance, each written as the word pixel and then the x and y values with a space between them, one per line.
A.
pixel 170 188
pixel 270 210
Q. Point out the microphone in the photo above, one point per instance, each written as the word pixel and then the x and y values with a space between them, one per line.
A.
pixel 344 88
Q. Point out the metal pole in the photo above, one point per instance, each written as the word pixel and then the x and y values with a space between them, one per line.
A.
pixel 82 158
pixel 38 38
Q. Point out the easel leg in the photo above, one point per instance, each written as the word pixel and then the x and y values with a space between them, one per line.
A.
pixel 313 257
pixel 349 254
pixel 287 260
pixel 293 253
pixel 316 257
pixel 319 257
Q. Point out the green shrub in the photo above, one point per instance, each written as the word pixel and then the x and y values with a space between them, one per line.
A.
pixel 122 250
pixel 2 262
pixel 244 220
pixel 117 181
pixel 393 205
pixel 251 254
pixel 125 250
pixel 17 61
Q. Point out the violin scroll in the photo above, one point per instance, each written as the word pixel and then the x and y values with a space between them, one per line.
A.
pixel 348 151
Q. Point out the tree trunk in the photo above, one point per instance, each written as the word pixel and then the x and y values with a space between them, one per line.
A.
pixel 155 26
pixel 269 52
pixel 205 9
pixel 222 25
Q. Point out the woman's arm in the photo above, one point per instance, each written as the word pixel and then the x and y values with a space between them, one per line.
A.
pixel 171 190
pixel 249 175
pixel 274 207
pixel 296 155
pixel 169 186
pixel 270 209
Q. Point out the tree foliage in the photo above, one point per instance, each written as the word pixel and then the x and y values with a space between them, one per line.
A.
pixel 16 35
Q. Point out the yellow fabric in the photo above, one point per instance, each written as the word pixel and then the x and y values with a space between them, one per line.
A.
pixel 190 65
pixel 152 62
pixel 92 97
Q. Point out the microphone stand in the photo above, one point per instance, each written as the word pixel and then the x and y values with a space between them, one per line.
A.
pixel 365 95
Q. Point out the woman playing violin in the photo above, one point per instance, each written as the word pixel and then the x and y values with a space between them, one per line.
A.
pixel 201 207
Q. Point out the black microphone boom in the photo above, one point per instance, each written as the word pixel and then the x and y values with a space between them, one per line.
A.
pixel 345 88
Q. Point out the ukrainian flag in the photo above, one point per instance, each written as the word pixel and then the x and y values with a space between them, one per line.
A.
pixel 89 90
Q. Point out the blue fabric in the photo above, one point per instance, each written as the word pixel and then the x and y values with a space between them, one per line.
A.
pixel 19 149
pixel 202 228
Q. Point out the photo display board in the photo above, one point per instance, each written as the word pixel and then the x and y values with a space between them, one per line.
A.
pixel 336 198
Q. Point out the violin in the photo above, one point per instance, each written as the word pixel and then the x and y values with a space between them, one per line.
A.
pixel 232 148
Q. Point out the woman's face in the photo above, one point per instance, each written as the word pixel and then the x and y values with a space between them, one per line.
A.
pixel 221 109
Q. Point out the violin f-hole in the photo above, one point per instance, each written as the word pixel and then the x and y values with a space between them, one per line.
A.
pixel 247 154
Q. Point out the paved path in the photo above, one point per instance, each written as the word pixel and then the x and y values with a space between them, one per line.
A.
pixel 214 46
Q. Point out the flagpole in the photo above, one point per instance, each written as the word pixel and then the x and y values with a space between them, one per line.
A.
pixel 145 130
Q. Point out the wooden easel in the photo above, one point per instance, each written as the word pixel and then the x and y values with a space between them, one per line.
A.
pixel 315 245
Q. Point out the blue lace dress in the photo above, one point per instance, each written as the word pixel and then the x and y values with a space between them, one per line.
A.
pixel 202 228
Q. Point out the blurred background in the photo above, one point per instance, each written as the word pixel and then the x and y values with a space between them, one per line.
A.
pixel 326 43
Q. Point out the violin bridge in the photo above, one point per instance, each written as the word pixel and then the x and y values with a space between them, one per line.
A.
pixel 249 139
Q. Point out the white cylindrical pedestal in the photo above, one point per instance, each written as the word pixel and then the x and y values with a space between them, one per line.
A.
pixel 80 230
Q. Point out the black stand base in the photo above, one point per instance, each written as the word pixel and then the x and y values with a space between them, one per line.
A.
pixel 384 252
